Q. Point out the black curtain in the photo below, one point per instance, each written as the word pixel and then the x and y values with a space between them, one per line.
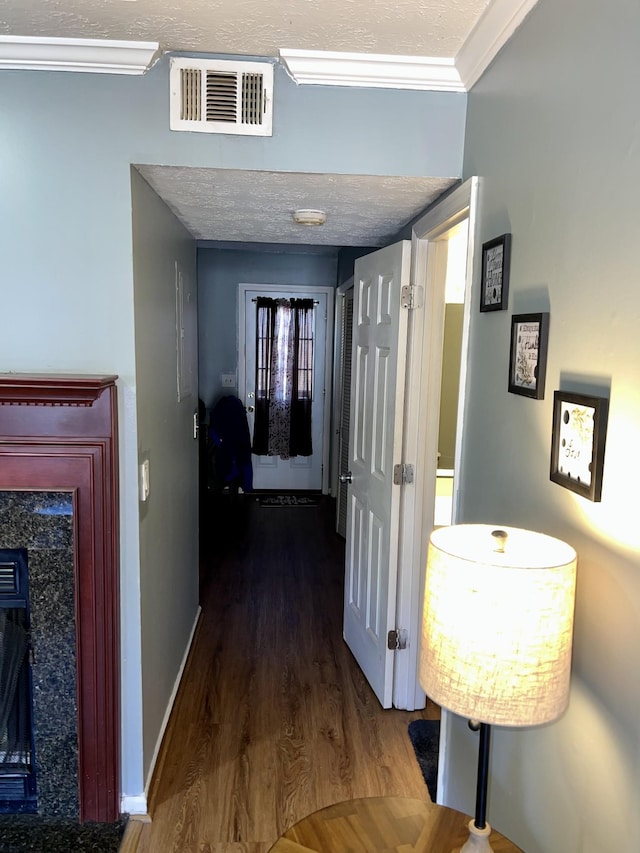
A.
pixel 284 377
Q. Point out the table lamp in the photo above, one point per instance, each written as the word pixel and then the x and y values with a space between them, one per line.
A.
pixel 496 634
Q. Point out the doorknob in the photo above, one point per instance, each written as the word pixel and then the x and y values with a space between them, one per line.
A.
pixel 346 478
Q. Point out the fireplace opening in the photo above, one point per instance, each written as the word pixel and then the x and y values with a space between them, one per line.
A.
pixel 17 753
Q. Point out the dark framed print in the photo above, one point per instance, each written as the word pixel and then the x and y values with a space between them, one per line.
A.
pixel 494 285
pixel 578 441
pixel 528 357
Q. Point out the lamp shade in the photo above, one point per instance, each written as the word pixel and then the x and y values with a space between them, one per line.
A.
pixel 498 624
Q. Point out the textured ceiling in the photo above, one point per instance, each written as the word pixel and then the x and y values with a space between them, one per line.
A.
pixel 256 206
pixel 436 28
pixel 225 204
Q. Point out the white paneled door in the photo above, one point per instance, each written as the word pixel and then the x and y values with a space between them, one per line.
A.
pixel 375 445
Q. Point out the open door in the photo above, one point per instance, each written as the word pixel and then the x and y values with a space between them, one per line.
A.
pixel 379 353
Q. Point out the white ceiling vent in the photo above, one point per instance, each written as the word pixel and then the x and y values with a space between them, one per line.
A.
pixel 221 96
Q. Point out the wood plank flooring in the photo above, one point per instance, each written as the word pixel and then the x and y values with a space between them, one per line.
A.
pixel 273 719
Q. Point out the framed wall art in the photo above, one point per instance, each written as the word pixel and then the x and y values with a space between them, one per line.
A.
pixel 528 355
pixel 494 285
pixel 578 442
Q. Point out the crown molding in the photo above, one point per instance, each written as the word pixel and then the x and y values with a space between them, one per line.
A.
pixel 66 54
pixel 495 27
pixel 326 68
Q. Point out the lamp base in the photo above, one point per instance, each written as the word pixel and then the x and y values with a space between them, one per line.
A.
pixel 478 841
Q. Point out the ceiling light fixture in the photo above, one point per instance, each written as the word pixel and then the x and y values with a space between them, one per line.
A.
pixel 309 217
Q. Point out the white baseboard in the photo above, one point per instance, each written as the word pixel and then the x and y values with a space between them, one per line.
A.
pixel 134 805
pixel 172 699
pixel 442 793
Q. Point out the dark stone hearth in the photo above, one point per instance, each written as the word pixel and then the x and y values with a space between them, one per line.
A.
pixel 33 834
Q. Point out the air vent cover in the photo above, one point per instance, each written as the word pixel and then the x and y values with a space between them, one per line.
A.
pixel 220 96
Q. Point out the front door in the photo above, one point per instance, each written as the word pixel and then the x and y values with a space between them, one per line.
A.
pixel 375 446
pixel 298 472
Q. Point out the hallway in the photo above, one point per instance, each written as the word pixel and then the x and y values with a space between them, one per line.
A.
pixel 273 719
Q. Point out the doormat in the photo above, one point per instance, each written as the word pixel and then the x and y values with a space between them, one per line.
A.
pixel 289 500
pixel 425 738
pixel 35 834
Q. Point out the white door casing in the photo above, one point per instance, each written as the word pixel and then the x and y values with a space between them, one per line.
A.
pixel 300 472
pixel 422 417
pixel 375 446
pixel 420 435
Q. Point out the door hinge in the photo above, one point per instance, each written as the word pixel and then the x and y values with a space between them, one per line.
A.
pixel 402 474
pixel 397 639
pixel 411 296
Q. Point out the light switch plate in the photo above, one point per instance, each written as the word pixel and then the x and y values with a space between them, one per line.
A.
pixel 143 485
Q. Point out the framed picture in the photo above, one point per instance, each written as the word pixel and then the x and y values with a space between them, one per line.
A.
pixel 528 357
pixel 494 287
pixel 578 440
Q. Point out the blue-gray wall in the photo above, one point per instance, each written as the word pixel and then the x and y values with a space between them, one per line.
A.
pixel 220 271
pixel 163 248
pixel 67 142
pixel 553 129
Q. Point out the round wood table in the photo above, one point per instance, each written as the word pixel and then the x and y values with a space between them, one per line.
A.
pixel 383 825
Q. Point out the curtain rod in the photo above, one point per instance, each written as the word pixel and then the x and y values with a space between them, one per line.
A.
pixel 315 301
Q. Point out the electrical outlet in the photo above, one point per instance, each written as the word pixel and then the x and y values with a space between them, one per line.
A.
pixel 228 380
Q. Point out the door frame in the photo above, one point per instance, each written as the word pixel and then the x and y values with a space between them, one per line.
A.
pixel 310 291
pixel 422 407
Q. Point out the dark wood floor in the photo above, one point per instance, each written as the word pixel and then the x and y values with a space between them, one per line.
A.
pixel 273 719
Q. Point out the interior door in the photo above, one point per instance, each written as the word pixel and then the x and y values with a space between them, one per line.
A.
pixel 375 445
pixel 299 472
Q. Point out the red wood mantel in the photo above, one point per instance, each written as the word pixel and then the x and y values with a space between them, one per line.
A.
pixel 59 433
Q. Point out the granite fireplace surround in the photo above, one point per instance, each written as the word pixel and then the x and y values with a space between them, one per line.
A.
pixel 59 500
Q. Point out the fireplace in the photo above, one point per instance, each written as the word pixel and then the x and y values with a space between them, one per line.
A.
pixel 59 590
